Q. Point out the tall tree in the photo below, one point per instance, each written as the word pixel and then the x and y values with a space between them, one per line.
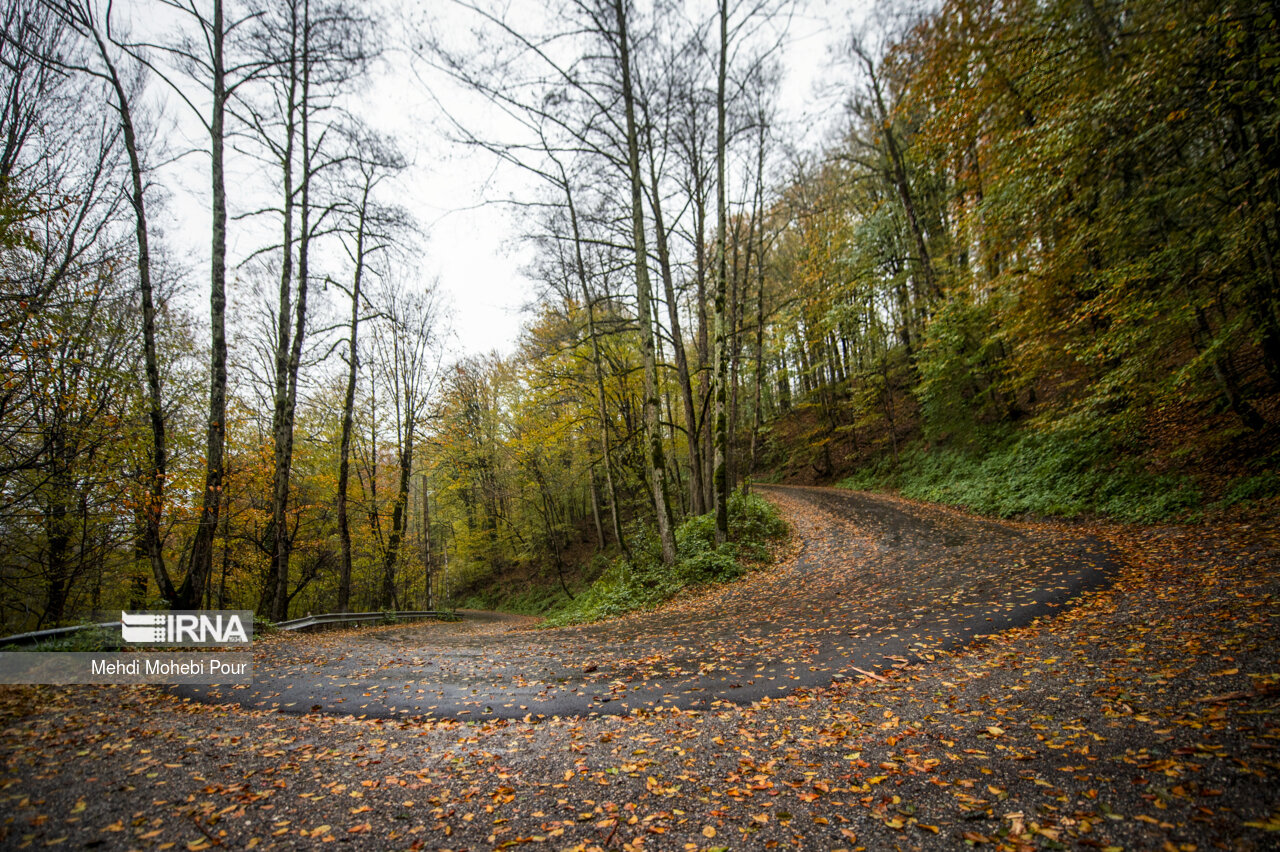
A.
pixel 368 230
pixel 209 59
pixel 655 455
pixel 409 365
pixel 720 379
pixel 313 54
pixel 82 17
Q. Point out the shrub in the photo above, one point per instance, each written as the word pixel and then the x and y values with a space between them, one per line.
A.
pixel 1064 472
pixel 642 581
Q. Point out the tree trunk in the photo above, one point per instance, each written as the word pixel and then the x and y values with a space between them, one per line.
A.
pixel 348 411
pixel 760 257
pixel 595 509
pixel 720 476
pixel 154 508
pixel 271 592
pixel 398 517
pixel 677 339
pixel 201 554
pixel 654 457
pixel 284 446
pixel 426 539
pixel 597 367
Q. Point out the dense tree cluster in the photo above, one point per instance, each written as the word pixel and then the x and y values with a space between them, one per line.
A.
pixel 1040 219
pixel 1058 214
pixel 1052 218
pixel 149 453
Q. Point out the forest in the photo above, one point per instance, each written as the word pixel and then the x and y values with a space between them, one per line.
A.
pixel 1032 266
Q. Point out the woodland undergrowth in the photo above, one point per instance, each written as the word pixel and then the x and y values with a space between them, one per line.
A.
pixel 639 580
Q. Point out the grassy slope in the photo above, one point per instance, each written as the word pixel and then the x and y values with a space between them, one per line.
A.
pixel 1183 467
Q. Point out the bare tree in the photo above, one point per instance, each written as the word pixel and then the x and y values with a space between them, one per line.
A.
pixel 408 366
pixel 655 455
pixel 313 51
pixel 207 58
pixel 368 230
pixel 97 30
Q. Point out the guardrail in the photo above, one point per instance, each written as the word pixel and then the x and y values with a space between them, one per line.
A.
pixel 308 621
pixel 345 617
pixel 37 636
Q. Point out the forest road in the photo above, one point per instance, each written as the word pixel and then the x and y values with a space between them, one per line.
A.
pixel 872 582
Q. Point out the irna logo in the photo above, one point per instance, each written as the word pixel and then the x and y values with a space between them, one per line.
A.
pixel 187 628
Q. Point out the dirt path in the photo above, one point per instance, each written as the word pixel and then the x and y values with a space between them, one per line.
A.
pixel 875 583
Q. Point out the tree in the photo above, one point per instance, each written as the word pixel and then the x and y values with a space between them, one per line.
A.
pixel 204 59
pixel 655 456
pixel 369 229
pixel 408 365
pixel 81 17
pixel 311 56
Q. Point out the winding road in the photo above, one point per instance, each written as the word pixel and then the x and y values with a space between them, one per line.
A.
pixel 874 582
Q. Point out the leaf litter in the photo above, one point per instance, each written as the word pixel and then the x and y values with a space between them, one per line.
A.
pixel 1141 714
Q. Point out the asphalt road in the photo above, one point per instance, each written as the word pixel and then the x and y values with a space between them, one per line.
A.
pixel 876 583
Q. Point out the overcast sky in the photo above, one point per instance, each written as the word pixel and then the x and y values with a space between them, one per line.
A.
pixel 472 247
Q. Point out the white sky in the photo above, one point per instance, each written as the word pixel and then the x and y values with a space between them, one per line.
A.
pixel 472 241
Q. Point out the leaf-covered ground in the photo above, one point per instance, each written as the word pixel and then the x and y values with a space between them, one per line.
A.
pixel 1143 715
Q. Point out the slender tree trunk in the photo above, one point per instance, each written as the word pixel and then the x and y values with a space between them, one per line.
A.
pixel 285 452
pixel 597 367
pixel 595 509
pixel 426 539
pixel 738 276
pixel 655 458
pixel 154 509
pixel 677 339
pixel 271 592
pixel 348 411
pixel 760 258
pixel 201 554
pixel 720 476
pixel 226 549
pixel 398 517
pixel 784 383
pixel 706 501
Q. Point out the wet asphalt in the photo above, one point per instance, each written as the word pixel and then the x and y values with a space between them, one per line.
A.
pixel 876 583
